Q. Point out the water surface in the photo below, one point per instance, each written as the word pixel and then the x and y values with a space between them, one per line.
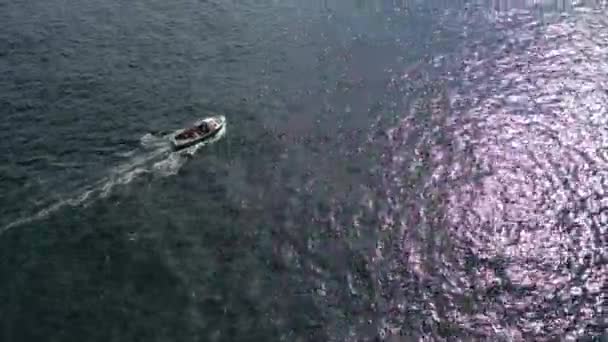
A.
pixel 392 170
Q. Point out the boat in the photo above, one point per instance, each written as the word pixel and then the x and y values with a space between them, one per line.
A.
pixel 202 130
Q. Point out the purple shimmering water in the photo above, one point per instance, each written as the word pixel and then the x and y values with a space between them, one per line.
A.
pixel 391 171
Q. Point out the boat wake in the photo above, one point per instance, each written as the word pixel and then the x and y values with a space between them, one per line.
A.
pixel 155 156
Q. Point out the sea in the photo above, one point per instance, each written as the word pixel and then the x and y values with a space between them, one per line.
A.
pixel 391 170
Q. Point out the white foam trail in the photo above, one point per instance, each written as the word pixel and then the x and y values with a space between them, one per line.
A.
pixel 151 140
pixel 159 159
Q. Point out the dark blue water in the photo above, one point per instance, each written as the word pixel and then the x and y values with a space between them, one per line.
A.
pixel 391 170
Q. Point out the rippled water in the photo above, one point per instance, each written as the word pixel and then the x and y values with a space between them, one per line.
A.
pixel 392 170
pixel 506 235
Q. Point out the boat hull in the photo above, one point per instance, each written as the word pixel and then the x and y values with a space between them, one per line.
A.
pixel 196 138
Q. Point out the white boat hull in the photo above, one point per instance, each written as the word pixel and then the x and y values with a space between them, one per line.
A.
pixel 188 137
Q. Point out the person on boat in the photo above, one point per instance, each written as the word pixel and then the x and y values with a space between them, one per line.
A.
pixel 203 128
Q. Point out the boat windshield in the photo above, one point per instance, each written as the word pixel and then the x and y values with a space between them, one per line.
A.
pixel 203 127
